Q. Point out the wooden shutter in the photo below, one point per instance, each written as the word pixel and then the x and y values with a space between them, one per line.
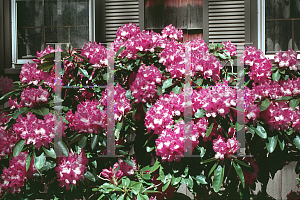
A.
pixel 226 21
pixel 118 13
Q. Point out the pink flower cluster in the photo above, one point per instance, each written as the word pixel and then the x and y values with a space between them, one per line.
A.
pixel 230 47
pixel 36 131
pixel 31 75
pixel 96 53
pixel 260 66
pixel 14 177
pixel 172 57
pixel 250 177
pixel 122 104
pixel 279 115
pixel 113 175
pixel 44 52
pixel 5 85
pixel 287 59
pixel 214 100
pixel 170 143
pixel 71 169
pixel 127 31
pixel 88 118
pixel 223 148
pixel 172 33
pixel 160 115
pixel 144 87
pixel 252 110
pixel 202 125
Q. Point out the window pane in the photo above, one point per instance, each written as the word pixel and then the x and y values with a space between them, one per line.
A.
pixel 278 9
pixel 50 21
pixel 278 35
pixel 297 35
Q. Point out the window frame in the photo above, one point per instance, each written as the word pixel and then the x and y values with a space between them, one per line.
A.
pixel 15 60
pixel 261 17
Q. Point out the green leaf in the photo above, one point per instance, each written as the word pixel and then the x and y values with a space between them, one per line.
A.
pixel 261 131
pixel 167 83
pixel 136 186
pixel 208 131
pixel 199 81
pixel 166 186
pixel 45 66
pixel 129 162
pixel 82 142
pixel 84 72
pixel 200 179
pixel 276 76
pixel 20 111
pixel 18 147
pixel 50 152
pixel 212 169
pixel 41 111
pixel 149 149
pixel 208 160
pixel 239 126
pixel 200 113
pixel 239 172
pixel 297 141
pixel 285 98
pixel 294 103
pixel 155 167
pixel 189 182
pixel 176 90
pixel 281 144
pixel 202 151
pixel 39 161
pixel 121 197
pixel 49 164
pixel 146 176
pixel 297 169
pixel 94 141
pixel 140 54
pixel 264 104
pixel 271 145
pixel 218 178
pixel 63 148
pixel 120 50
pixel 126 182
pixel 7 95
pixel 89 176
pixel 176 180
pixel 159 90
pixel 28 160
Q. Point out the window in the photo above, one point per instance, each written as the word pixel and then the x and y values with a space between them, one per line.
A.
pixel 38 22
pixel 278 25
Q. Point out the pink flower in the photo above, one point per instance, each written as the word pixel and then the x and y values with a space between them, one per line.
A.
pixel 44 52
pixel 5 85
pixel 223 148
pixel 230 47
pixel 287 59
pixel 112 174
pixel 172 33
pixel 71 169
pixel 96 53
pixel 7 142
pixel 127 169
pixel 127 31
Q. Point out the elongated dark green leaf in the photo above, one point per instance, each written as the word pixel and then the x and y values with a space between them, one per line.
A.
pixel 271 145
pixel 129 162
pixel 218 178
pixel 167 83
pixel 276 76
pixel 159 90
pixel 50 55
pixel 45 66
pixel 7 95
pixel 28 160
pixel 208 160
pixel 199 81
pixel 290 131
pixel 212 169
pixel 294 103
pixel 89 176
pixel 176 180
pixel 82 142
pixel 189 182
pixel 84 72
pixel 166 186
pixel 261 131
pixel 200 113
pixel 94 141
pixel 20 111
pixel 248 167
pixel 18 148
pixel 41 111
pixel 297 141
pixel 50 152
pixel 285 98
pixel 155 167
pixel 208 131
pixel 39 161
pixel 82 57
pixel 200 179
pixel 63 147
pixel 239 126
pixel 281 144
pixel 297 168
pixel 239 172
pixel 264 104
pixel 120 50
pixel 49 164
pixel 146 176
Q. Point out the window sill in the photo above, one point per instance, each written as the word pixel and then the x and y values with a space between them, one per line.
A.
pixel 12 71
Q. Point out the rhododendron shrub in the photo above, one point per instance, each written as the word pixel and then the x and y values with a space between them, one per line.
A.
pixel 149 131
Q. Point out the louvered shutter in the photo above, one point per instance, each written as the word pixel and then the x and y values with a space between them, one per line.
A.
pixel 118 13
pixel 226 21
